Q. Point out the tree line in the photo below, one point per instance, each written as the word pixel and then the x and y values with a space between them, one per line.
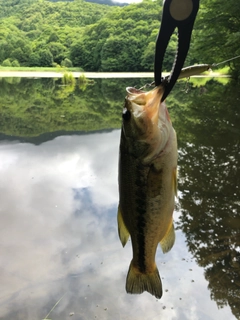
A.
pixel 94 37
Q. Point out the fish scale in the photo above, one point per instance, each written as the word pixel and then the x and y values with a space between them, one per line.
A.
pixel 141 208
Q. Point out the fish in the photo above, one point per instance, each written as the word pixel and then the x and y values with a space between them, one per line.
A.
pixel 193 70
pixel 147 185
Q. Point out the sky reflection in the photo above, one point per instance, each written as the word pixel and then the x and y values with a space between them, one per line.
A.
pixel 58 204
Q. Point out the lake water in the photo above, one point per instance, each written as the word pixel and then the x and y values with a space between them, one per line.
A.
pixel 59 247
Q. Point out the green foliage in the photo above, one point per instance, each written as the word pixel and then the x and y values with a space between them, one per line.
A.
pixel 15 63
pixel 13 44
pixel 31 108
pixel 66 63
pixel 82 82
pixel 34 60
pixel 209 160
pixel 53 37
pixel 83 32
pixel 81 55
pixel 103 38
pixel 46 58
pixel 82 78
pixel 121 54
pixel 27 28
pixel 216 36
pixel 68 78
pixel 6 63
pixel 148 57
pixel 58 51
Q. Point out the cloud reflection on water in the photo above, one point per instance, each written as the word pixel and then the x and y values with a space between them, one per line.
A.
pixel 59 236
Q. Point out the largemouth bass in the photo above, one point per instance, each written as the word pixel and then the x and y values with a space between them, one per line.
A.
pixel 147 185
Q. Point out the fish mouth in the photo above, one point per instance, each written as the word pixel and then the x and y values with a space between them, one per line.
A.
pixel 132 90
pixel 136 99
pixel 139 102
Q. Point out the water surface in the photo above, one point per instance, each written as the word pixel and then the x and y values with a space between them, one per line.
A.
pixel 59 197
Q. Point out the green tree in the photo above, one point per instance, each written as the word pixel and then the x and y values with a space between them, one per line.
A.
pixel 6 63
pixel 66 63
pixel 15 63
pixel 85 33
pixel 34 60
pixel 82 54
pixel 57 50
pixel 21 53
pixel 46 58
pixel 121 54
pixel 147 59
pixel 53 37
pixel 216 34
pixel 209 160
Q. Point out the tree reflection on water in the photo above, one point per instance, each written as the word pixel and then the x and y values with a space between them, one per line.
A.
pixel 207 123
pixel 209 161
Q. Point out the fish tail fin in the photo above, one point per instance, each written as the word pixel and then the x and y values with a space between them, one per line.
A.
pixel 138 282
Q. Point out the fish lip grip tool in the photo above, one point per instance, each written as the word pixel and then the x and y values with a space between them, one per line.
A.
pixel 179 14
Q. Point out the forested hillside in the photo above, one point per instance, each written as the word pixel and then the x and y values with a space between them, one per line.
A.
pixel 105 38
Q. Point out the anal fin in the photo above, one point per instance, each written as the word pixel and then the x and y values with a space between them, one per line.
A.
pixel 168 241
pixel 122 230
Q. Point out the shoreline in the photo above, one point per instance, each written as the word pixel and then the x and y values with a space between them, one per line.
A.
pixel 94 75
pixel 89 75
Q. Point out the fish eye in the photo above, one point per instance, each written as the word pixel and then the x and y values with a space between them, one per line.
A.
pixel 126 115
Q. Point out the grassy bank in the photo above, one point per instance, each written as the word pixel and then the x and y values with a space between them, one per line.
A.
pixel 41 69
pixel 222 71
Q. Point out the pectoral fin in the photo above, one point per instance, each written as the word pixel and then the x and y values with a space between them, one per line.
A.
pixel 168 241
pixel 122 230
